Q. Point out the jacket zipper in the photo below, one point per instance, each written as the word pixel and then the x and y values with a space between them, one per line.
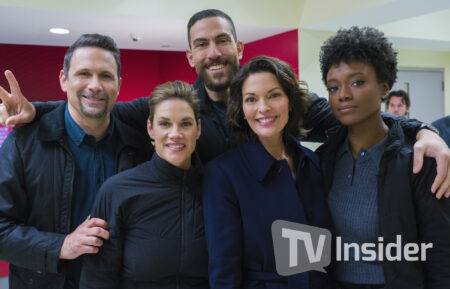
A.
pixel 182 228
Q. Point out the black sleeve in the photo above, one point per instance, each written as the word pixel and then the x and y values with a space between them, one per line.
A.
pixel 44 107
pixel 21 244
pixel 320 118
pixel 134 113
pixel 103 270
pixel 433 222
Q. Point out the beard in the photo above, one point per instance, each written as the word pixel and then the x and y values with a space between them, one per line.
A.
pixel 229 75
pixel 93 110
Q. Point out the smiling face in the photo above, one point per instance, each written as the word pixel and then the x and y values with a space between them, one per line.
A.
pixel 354 92
pixel 265 106
pixel 92 84
pixel 175 132
pixel 214 53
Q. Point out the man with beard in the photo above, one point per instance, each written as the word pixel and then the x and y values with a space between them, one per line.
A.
pixel 53 168
pixel 215 52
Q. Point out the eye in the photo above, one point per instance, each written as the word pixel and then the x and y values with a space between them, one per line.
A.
pixel 358 83
pixel 332 89
pixel 107 76
pixel 274 95
pixel 186 123
pixel 250 99
pixel 200 44
pixel 164 123
pixel 83 73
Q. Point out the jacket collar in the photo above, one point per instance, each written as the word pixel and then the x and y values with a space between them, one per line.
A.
pixel 52 128
pixel 260 163
pixel 337 135
pixel 164 171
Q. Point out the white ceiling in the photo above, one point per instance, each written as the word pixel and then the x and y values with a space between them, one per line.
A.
pixel 415 24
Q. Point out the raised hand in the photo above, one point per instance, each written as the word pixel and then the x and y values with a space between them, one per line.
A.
pixel 15 108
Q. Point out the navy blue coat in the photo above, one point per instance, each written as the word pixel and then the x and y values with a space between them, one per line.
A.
pixel 244 191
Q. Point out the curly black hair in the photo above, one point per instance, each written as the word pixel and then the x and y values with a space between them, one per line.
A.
pixel 367 45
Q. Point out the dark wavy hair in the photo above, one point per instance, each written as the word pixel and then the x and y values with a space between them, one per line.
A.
pixel 298 97
pixel 92 40
pixel 170 90
pixel 399 93
pixel 367 45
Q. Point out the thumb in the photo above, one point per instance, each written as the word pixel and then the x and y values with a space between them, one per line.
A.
pixel 14 120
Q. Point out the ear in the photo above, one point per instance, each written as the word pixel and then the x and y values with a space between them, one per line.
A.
pixel 63 81
pixel 384 90
pixel 199 128
pixel 190 57
pixel 150 129
pixel 240 49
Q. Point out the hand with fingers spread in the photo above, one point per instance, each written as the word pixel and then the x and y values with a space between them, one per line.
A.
pixel 429 144
pixel 86 239
pixel 15 108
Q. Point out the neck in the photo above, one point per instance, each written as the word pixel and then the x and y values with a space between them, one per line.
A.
pixel 96 127
pixel 367 135
pixel 218 95
pixel 275 147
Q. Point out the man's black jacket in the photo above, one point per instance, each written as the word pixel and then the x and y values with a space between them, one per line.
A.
pixel 36 184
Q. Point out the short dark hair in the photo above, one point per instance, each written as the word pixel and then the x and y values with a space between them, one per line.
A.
pixel 367 45
pixel 298 97
pixel 169 90
pixel 399 93
pixel 93 40
pixel 207 14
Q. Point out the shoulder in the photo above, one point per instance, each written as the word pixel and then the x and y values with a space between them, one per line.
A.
pixel 126 183
pixel 226 160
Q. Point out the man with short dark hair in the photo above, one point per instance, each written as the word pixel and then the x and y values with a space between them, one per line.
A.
pixel 398 103
pixel 52 169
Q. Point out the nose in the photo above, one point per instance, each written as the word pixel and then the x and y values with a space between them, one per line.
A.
pixel 263 106
pixel 95 84
pixel 175 132
pixel 213 51
pixel 344 93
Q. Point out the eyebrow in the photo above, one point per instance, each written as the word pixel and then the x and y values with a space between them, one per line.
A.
pixel 269 91
pixel 168 119
pixel 205 39
pixel 350 76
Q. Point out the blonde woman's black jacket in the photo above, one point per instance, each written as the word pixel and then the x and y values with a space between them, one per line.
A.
pixel 155 220
pixel 36 184
pixel 406 207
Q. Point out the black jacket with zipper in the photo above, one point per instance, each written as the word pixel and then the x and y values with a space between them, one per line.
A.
pixel 157 239
pixel 36 185
pixel 406 207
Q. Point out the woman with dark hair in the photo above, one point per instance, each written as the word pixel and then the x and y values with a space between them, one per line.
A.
pixel 367 165
pixel 154 211
pixel 266 177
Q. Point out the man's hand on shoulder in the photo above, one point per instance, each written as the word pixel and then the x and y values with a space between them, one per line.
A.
pixel 429 144
pixel 15 108
pixel 86 239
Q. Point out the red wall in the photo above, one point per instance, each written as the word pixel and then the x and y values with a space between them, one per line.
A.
pixel 37 69
pixel 283 46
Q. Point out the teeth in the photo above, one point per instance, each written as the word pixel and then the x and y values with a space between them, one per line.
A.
pixel 176 146
pixel 216 67
pixel 266 120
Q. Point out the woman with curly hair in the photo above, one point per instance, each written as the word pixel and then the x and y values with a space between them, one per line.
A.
pixel 266 177
pixel 367 165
